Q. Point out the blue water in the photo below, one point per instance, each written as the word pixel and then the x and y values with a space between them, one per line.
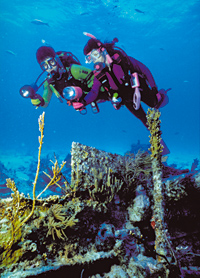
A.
pixel 164 35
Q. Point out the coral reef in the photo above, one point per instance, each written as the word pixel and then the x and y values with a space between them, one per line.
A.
pixel 102 224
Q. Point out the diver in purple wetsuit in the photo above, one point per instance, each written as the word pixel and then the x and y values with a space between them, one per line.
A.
pixel 127 81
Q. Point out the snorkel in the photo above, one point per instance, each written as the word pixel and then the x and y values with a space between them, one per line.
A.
pixel 89 35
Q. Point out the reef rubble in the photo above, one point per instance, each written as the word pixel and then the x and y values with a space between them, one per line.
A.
pixel 103 226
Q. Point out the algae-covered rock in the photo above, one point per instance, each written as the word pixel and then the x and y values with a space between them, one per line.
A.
pixel 102 226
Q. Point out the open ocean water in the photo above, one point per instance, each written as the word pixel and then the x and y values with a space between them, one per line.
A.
pixel 165 36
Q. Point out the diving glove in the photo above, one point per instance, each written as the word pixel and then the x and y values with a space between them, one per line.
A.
pixel 37 100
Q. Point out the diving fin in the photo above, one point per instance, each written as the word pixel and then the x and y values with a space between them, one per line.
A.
pixel 165 150
pixel 163 98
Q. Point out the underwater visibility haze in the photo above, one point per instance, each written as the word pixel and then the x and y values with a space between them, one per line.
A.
pixel 106 214
pixel 162 35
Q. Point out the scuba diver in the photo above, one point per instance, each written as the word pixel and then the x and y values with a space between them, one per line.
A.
pixel 127 81
pixel 65 77
pixel 116 78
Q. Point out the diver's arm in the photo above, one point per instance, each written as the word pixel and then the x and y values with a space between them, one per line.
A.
pixel 148 75
pixel 37 100
pixel 141 68
pixel 90 97
pixel 93 93
pixel 80 73
pixel 43 101
pixel 47 94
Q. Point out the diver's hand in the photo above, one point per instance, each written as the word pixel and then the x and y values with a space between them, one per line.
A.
pixel 37 100
pixel 69 102
pixel 78 106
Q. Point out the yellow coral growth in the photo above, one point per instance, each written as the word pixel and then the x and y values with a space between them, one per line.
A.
pixel 15 198
pixel 153 121
pixel 17 208
pixel 41 129
pixel 76 180
pixel 106 185
pixel 158 212
pixel 58 221
pixel 57 175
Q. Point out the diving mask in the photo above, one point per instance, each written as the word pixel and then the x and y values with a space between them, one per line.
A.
pixel 93 56
pixel 48 64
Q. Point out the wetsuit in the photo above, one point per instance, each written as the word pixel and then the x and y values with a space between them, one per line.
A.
pixel 74 75
pixel 119 81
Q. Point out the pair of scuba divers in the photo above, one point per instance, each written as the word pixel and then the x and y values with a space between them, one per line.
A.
pixel 116 77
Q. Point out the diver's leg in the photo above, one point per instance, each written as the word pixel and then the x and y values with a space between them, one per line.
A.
pixel 140 114
pixel 148 95
pixel 165 150
pixel 151 96
pixel 163 98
